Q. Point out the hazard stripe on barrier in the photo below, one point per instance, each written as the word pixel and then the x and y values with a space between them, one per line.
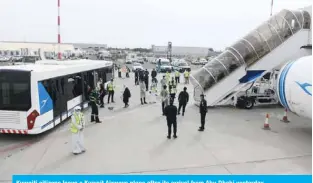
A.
pixel 12 131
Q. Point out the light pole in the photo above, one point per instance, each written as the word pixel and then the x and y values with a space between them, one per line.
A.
pixel 272 6
pixel 59 34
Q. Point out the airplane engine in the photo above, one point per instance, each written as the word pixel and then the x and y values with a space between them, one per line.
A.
pixel 294 86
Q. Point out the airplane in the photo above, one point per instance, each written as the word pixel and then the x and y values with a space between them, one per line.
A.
pixel 294 86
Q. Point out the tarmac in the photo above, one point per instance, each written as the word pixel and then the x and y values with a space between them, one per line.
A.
pixel 133 141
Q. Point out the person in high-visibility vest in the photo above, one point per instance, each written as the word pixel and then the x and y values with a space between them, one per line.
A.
pixel 172 81
pixel 77 126
pixel 186 75
pixel 110 89
pixel 177 76
pixel 172 89
pixel 93 99
pixel 167 76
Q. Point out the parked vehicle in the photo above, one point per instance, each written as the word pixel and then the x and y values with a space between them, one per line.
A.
pixel 165 66
pixel 137 66
pixel 155 61
pixel 195 62
pixel 139 60
pixel 262 92
pixel 203 61
pixel 128 61
pixel 4 58
pixel 41 95
pixel 182 66
pixel 150 59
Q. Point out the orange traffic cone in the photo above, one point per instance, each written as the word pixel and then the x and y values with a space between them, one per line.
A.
pixel 266 124
pixel 285 118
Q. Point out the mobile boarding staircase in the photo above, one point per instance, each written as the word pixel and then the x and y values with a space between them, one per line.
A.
pixel 278 40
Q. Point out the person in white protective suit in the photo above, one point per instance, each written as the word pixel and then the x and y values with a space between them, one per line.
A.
pixel 77 127
pixel 99 84
pixel 142 92
pixel 164 98
pixel 153 92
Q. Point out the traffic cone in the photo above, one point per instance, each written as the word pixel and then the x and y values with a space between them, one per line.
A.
pixel 266 124
pixel 285 118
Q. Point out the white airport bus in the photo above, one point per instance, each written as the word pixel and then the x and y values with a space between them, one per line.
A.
pixel 36 97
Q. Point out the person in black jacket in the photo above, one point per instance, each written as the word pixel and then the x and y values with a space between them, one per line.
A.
pixel 146 79
pixel 141 75
pixel 119 72
pixel 183 99
pixel 127 72
pixel 136 77
pixel 153 74
pixel 171 113
pixel 102 94
pixel 203 110
pixel 126 96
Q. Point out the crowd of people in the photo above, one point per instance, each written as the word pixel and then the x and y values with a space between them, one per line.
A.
pixel 167 96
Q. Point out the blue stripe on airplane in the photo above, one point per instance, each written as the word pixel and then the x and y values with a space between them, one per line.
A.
pixel 281 85
pixel 304 87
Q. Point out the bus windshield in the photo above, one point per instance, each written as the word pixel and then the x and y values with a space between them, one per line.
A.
pixel 15 90
pixel 183 64
pixel 165 63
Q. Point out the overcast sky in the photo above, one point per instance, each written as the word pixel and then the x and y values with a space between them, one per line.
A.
pixel 137 23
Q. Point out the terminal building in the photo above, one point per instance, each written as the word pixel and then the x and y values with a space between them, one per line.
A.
pixel 182 51
pixel 31 48
pixel 85 46
pixel 11 48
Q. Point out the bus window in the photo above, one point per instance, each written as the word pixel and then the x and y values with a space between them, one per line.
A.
pixel 77 88
pixel 15 90
pixel 62 85
pixel 90 80
pixel 57 85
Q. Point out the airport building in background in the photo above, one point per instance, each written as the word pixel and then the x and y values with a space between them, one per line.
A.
pixel 12 48
pixel 8 48
pixel 86 46
pixel 182 51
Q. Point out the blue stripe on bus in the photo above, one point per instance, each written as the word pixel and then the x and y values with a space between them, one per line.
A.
pixel 45 101
pixel 282 79
pixel 47 124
